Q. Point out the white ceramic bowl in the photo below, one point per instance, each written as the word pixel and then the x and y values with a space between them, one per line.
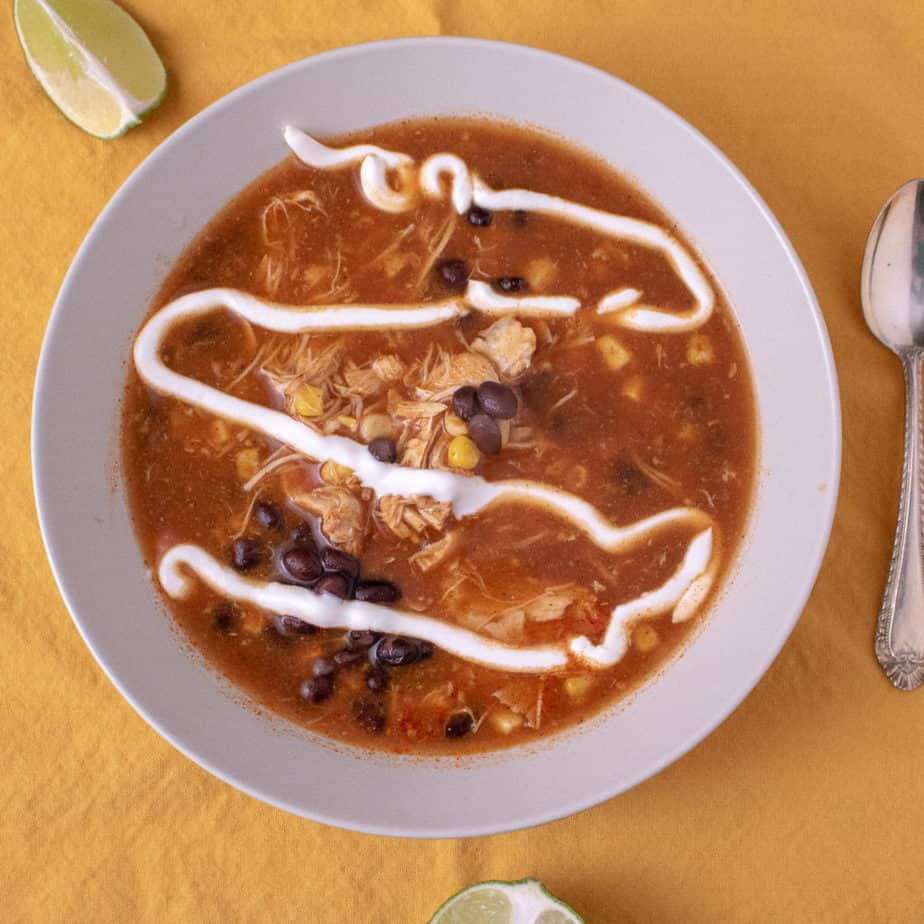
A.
pixel 171 196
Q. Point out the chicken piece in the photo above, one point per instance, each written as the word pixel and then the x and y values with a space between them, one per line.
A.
pixel 434 554
pixel 412 409
pixel 416 443
pixel 453 370
pixel 362 382
pixel 524 697
pixel 509 345
pixel 388 368
pixel 508 627
pixel 344 517
pixel 413 517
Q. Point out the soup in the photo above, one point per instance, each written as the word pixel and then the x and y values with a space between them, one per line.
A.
pixel 439 437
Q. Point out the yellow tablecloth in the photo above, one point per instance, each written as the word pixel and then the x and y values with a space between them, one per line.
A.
pixel 806 805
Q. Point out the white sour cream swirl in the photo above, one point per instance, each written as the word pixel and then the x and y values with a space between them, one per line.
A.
pixel 466 189
pixel 683 592
pixel 330 612
pixel 467 494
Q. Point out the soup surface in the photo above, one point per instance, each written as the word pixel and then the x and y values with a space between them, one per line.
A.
pixel 437 454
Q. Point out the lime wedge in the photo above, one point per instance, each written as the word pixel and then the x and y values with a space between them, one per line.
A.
pixel 527 901
pixel 93 60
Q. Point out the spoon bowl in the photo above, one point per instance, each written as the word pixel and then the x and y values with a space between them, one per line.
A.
pixel 892 278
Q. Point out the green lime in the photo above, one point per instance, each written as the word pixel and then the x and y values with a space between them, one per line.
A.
pixel 93 60
pixel 527 901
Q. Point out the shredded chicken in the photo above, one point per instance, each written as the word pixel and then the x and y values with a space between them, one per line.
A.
pixel 419 408
pixel 551 604
pixel 509 345
pixel 413 517
pixel 416 442
pixel 344 517
pixel 452 371
pixel 363 382
pixel 508 627
pixel 524 697
pixel 434 554
pixel 388 368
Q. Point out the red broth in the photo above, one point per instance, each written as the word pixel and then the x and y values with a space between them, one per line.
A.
pixel 633 422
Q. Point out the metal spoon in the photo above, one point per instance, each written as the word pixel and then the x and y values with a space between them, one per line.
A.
pixel 892 292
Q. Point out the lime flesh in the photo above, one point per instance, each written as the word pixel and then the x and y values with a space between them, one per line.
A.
pixel 93 60
pixel 523 902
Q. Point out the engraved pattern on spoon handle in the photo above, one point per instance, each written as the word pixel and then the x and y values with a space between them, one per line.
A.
pixel 900 630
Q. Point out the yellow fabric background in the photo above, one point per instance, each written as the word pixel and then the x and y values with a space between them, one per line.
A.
pixel 806 805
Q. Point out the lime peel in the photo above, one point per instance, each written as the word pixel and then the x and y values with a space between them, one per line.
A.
pixel 526 901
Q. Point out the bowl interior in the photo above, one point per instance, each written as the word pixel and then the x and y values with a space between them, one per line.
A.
pixel 178 188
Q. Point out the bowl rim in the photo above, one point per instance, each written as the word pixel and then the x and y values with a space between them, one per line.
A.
pixel 732 700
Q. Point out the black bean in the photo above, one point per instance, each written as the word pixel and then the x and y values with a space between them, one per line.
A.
pixel 480 217
pixel 361 639
pixel 302 564
pixel 370 714
pixel 511 284
pixel 519 217
pixel 454 273
pixel 383 449
pixel 338 585
pixel 224 617
pixel 486 433
pixel 292 626
pixel 377 679
pixel 459 724
pixel 303 535
pixel 377 592
pixel 323 667
pixel 465 402
pixel 630 480
pixel 347 656
pixel 334 560
pixel 397 651
pixel 317 689
pixel 498 400
pixel 267 515
pixel 246 553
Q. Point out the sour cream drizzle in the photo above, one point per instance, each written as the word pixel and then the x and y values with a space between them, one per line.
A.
pixel 467 188
pixel 330 612
pixel 683 592
pixel 467 494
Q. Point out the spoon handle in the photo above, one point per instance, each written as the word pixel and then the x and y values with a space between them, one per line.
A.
pixel 900 631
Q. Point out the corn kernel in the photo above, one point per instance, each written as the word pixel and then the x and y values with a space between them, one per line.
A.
pixel 247 463
pixel 251 624
pixel 504 427
pixel 646 637
pixel 335 473
pixel 614 354
pixel 699 350
pixel 372 426
pixel 463 453
pixel 504 720
pixel 633 389
pixel 219 432
pixel 579 686
pixel 347 421
pixel 308 401
pixel 455 426
pixel 541 272
pixel 688 432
